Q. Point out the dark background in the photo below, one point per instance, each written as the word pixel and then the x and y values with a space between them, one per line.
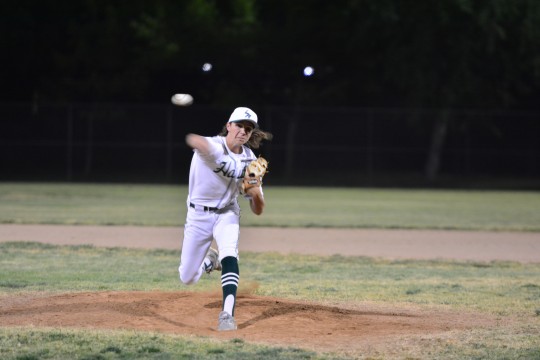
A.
pixel 418 92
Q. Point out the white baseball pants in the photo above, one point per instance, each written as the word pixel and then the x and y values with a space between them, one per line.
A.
pixel 201 227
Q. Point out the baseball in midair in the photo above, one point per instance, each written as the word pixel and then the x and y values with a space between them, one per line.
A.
pixel 182 99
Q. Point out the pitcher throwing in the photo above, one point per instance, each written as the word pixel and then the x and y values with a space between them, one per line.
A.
pixel 223 167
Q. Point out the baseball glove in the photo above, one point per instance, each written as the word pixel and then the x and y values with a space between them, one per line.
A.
pixel 255 172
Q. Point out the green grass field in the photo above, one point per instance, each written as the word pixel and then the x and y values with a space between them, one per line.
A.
pixel 154 205
pixel 508 291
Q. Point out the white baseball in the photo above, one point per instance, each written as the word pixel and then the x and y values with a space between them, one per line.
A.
pixel 182 99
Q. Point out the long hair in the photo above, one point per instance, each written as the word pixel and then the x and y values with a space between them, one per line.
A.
pixel 257 136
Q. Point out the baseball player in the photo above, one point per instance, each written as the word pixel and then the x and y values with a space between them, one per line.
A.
pixel 217 177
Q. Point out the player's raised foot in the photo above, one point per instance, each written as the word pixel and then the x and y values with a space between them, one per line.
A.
pixel 226 322
pixel 215 264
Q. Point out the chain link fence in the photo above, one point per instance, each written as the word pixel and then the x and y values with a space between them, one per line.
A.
pixel 311 146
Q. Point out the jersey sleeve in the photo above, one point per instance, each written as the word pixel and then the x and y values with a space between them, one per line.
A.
pixel 216 149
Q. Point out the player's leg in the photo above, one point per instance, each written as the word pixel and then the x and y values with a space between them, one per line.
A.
pixel 197 240
pixel 226 233
pixel 230 277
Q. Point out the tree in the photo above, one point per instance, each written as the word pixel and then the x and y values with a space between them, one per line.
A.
pixel 452 54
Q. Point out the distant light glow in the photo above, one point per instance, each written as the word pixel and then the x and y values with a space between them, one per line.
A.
pixel 207 67
pixel 308 71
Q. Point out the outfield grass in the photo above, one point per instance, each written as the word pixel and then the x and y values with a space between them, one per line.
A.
pixel 160 205
pixel 34 344
pixel 509 291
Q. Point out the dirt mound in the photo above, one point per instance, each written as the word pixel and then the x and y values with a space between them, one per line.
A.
pixel 260 319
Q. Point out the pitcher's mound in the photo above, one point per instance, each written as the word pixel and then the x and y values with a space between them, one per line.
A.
pixel 260 319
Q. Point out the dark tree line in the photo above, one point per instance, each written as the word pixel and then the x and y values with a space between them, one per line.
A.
pixel 443 54
pixel 409 53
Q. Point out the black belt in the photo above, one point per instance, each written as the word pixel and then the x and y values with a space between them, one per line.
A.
pixel 205 208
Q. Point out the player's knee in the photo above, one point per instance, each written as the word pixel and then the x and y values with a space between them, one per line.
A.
pixel 187 278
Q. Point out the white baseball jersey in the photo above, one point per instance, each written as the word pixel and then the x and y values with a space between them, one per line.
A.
pixel 215 178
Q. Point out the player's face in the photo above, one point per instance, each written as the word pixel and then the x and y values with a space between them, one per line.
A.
pixel 239 132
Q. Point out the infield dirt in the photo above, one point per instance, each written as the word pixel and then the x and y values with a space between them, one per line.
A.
pixel 262 320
